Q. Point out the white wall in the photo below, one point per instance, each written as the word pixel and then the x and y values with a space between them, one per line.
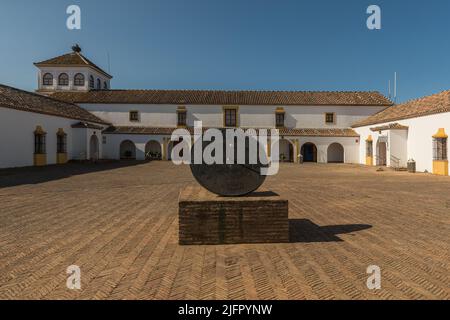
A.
pixel 249 116
pixel 419 143
pixel 351 147
pixel 17 136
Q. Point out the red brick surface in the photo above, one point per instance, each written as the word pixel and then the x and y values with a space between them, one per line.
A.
pixel 205 218
pixel 119 223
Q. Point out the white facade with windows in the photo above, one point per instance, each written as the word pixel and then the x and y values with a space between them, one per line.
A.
pixel 324 127
pixel 78 79
pixel 413 142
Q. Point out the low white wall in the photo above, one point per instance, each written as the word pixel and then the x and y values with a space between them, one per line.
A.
pixel 419 141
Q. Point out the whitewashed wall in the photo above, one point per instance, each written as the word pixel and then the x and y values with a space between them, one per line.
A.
pixel 419 141
pixel 249 116
pixel 17 136
pixel 351 147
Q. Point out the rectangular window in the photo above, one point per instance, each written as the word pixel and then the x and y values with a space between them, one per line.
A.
pixel 369 148
pixel 279 119
pixel 181 118
pixel 329 118
pixel 61 143
pixel 439 149
pixel 134 116
pixel 39 143
pixel 230 118
pixel 104 139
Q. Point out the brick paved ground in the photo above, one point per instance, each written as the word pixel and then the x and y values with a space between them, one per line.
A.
pixel 118 222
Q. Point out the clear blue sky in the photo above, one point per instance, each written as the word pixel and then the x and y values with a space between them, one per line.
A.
pixel 237 44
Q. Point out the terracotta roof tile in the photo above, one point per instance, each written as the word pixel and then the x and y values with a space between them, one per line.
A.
pixel 71 59
pixel 390 126
pixel 216 97
pixel 437 103
pixel 283 131
pixel 31 102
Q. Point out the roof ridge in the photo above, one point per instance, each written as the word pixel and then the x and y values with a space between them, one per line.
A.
pixel 423 97
pixel 82 57
pixel 246 91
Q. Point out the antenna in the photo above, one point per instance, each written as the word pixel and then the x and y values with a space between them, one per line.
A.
pixel 395 87
pixel 109 64
pixel 389 89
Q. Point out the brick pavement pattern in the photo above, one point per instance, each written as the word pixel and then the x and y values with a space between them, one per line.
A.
pixel 119 223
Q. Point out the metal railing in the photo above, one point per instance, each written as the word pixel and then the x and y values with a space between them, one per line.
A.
pixel 395 162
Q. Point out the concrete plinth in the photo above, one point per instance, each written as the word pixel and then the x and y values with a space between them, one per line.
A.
pixel 205 218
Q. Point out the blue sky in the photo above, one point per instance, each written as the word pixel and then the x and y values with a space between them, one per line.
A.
pixel 237 44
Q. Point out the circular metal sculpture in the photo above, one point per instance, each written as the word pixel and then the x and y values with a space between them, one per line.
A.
pixel 229 179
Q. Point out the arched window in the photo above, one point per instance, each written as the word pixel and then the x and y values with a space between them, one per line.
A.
pixel 91 82
pixel 105 85
pixel 99 84
pixel 63 79
pixel 78 80
pixel 47 79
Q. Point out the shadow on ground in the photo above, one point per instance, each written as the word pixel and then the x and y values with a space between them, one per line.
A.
pixel 304 230
pixel 35 175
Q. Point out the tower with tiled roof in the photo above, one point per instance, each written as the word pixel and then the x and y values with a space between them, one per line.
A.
pixel 71 72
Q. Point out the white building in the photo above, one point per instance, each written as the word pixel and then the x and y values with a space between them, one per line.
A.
pixel 137 124
pixel 38 130
pixel 415 130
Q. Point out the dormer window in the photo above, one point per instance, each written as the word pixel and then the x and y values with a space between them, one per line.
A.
pixel 47 79
pixel 91 82
pixel 78 80
pixel 99 84
pixel 63 79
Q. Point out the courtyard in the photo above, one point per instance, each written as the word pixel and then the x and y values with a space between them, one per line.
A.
pixel 118 221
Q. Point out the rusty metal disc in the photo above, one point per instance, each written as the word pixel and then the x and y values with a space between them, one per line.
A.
pixel 228 179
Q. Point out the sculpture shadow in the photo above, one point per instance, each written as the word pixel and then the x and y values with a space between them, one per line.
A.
pixel 306 231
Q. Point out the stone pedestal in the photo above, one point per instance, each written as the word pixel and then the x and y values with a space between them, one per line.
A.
pixel 205 218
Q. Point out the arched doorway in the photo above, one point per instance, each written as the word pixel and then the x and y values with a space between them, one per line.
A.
pixel 153 150
pixel 286 151
pixel 170 147
pixel 335 153
pixel 127 150
pixel 309 152
pixel 94 148
pixel 381 153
